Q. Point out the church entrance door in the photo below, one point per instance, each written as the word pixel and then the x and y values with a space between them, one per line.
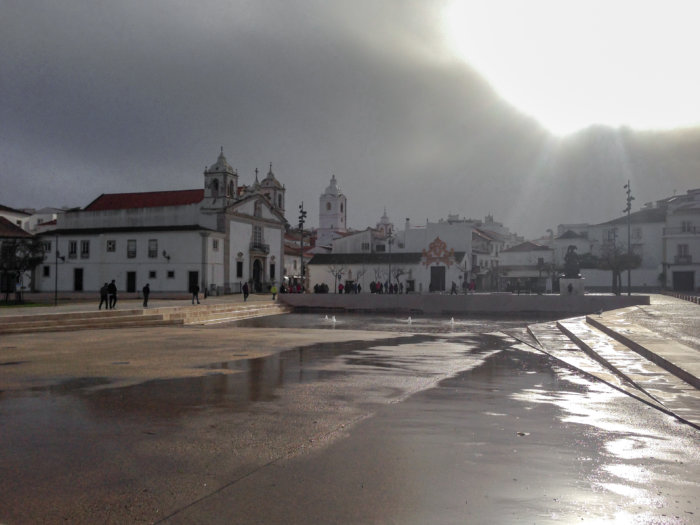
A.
pixel 437 278
pixel 257 275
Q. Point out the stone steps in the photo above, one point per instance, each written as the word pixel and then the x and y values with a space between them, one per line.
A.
pixel 164 316
pixel 609 352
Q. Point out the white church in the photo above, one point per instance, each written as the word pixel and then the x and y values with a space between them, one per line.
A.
pixel 420 258
pixel 217 237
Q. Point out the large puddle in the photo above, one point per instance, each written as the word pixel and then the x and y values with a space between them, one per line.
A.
pixel 80 434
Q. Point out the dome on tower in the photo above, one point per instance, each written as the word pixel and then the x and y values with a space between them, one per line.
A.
pixel 270 181
pixel 333 189
pixel 221 165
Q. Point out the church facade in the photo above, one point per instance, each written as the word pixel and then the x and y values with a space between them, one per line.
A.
pixel 216 238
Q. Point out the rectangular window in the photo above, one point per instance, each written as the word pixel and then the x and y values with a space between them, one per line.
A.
pixel 257 235
pixel 84 249
pixel 272 272
pixel 683 249
pixel 380 248
pixel 239 269
pixel 171 274
pixel 637 234
pixel 686 226
pixel 151 274
pixel 72 249
pixel 152 248
pixel 47 271
pixel 111 246
pixel 131 248
pixel 365 246
pixel 47 246
pixel 215 245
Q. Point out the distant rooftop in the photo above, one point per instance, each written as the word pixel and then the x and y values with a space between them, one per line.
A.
pixel 153 199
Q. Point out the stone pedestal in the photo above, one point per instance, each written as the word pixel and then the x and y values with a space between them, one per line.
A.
pixel 571 286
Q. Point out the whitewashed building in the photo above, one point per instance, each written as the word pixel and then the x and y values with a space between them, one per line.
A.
pixel 681 243
pixel 217 238
pixel 526 267
pixel 421 259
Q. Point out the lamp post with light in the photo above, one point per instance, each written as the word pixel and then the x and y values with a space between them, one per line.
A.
pixel 628 209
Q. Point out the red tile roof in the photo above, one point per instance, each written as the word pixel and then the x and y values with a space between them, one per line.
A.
pixel 153 199
pixel 9 230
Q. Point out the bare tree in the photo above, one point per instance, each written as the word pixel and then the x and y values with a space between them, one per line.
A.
pixel 616 260
pixel 337 271
pixel 18 256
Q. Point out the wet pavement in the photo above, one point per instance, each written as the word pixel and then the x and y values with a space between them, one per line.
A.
pixel 303 419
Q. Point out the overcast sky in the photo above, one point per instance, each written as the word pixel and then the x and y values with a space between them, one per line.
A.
pixel 102 97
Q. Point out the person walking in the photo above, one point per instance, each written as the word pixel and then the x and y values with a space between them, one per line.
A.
pixel 246 292
pixel 146 292
pixel 195 293
pixel 104 297
pixel 112 291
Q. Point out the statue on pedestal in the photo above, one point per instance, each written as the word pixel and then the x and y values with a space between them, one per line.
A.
pixel 571 263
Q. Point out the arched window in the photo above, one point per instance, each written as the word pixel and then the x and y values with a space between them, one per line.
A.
pixel 215 187
pixel 230 189
pixel 328 206
pixel 341 207
pixel 279 201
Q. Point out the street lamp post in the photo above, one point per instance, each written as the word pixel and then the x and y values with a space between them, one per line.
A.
pixel 390 241
pixel 302 218
pixel 55 272
pixel 628 209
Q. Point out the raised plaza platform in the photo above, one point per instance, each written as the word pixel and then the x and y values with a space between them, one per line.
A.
pixel 475 304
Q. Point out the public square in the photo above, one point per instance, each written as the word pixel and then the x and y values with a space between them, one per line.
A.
pixel 300 419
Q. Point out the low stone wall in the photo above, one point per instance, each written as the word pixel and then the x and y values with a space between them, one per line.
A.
pixel 485 304
pixel 685 296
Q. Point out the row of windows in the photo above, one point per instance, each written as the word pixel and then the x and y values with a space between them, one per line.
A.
pixel 152 274
pixel 111 246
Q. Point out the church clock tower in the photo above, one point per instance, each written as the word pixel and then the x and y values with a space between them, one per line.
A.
pixel 220 183
pixel 332 213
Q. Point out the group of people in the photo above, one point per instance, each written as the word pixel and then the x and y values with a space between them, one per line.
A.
pixel 108 296
pixel 387 287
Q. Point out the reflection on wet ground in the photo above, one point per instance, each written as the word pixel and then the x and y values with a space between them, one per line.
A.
pixel 416 324
pixel 88 452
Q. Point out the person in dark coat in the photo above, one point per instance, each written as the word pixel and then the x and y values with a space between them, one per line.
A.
pixel 104 297
pixel 112 290
pixel 146 292
pixel 195 293
pixel 246 292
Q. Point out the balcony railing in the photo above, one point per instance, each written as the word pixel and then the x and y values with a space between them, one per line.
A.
pixel 678 230
pixel 259 247
pixel 683 259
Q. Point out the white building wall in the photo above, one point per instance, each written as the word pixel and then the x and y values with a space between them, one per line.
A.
pixel 183 247
pixel 273 237
pixel 240 236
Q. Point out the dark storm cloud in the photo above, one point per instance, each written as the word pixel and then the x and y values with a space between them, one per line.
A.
pixel 136 96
